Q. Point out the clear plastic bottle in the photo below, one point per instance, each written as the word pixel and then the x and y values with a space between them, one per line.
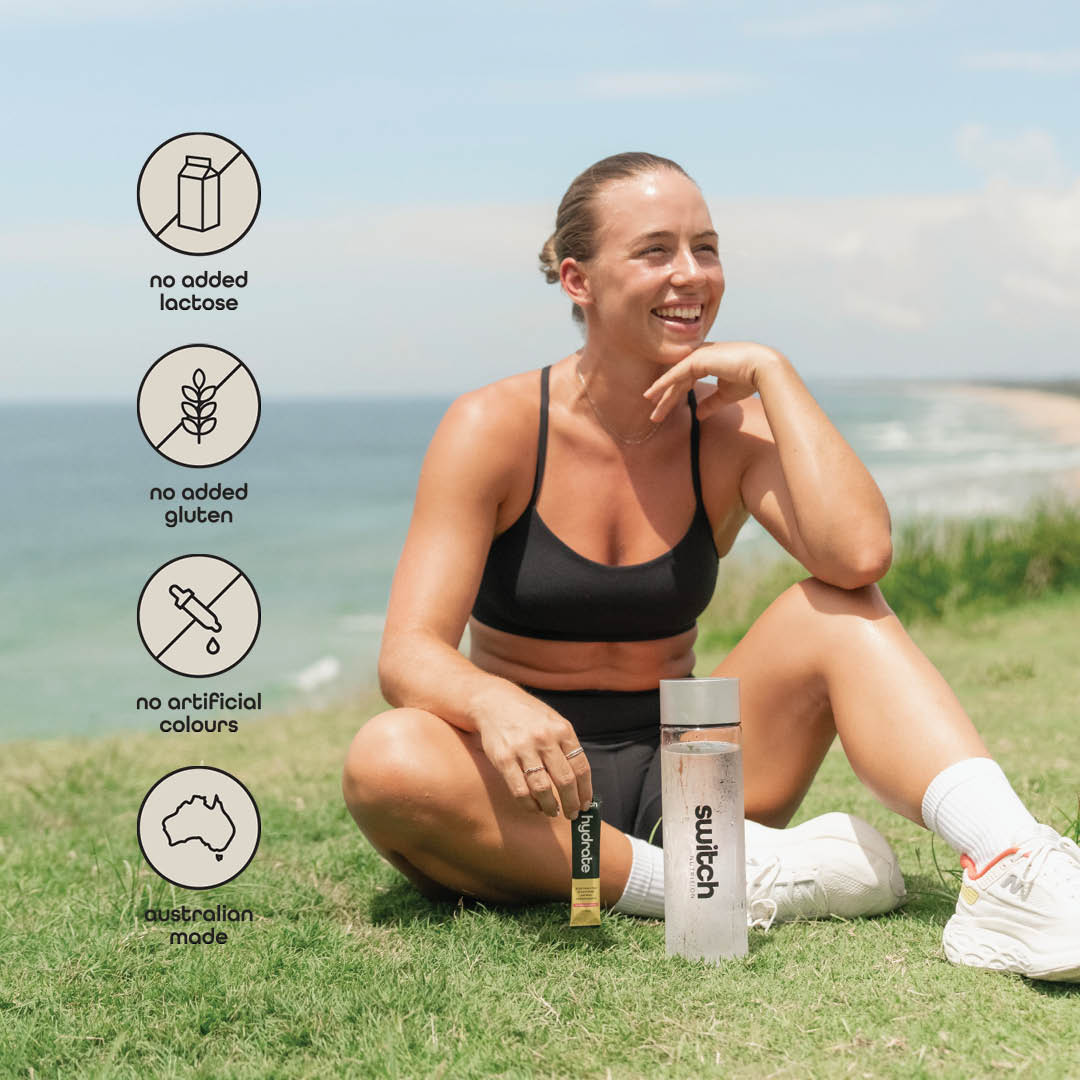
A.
pixel 702 792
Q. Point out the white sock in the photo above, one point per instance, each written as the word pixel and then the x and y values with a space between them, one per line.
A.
pixel 971 805
pixel 644 892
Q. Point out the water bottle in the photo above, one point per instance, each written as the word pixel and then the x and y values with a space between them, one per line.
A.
pixel 702 793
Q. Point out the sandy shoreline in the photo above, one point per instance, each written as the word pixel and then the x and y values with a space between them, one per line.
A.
pixel 1054 412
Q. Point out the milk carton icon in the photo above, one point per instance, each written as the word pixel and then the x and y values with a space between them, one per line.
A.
pixel 198 195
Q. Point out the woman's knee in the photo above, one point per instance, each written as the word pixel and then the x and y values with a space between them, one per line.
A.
pixel 388 763
pixel 815 599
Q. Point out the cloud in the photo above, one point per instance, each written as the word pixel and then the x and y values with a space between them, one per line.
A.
pixel 447 295
pixel 848 244
pixel 883 313
pixel 1030 159
pixel 1041 291
pixel 635 85
pixel 664 84
pixel 853 19
pixel 926 284
pixel 1047 224
pixel 1044 62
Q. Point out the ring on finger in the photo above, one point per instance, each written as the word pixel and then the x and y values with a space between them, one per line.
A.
pixel 535 768
pixel 577 750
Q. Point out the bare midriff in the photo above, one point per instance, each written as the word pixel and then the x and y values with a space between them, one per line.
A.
pixel 580 665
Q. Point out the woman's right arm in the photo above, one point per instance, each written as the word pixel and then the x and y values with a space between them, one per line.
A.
pixel 466 475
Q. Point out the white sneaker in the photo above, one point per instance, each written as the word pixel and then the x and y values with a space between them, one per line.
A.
pixel 1021 912
pixel 835 864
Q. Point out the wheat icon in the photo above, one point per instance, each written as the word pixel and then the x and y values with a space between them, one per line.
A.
pixel 199 406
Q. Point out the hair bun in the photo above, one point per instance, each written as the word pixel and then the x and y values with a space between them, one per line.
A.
pixel 549 261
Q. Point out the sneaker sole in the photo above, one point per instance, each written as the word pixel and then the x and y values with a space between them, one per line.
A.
pixel 998 952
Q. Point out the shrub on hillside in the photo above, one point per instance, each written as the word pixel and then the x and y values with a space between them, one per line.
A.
pixel 939 567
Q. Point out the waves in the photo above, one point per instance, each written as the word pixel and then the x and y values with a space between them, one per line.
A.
pixel 330 497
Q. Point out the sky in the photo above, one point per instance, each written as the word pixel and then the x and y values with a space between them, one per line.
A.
pixel 896 185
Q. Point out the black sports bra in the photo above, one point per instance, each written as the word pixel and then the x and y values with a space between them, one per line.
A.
pixel 536 586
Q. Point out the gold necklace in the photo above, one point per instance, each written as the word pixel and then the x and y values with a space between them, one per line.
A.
pixel 654 428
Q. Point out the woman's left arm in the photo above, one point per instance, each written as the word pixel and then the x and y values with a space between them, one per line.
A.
pixel 837 508
pixel 800 478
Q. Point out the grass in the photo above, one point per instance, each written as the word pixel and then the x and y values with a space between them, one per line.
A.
pixel 938 568
pixel 347 971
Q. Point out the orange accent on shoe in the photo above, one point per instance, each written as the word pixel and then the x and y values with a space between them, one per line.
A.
pixel 968 863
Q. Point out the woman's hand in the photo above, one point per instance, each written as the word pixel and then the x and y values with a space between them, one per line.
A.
pixel 735 364
pixel 518 732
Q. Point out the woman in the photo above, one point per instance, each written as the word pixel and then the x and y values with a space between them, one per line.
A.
pixel 553 507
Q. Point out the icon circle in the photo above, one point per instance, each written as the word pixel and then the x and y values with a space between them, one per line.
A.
pixel 198 615
pixel 198 827
pixel 198 405
pixel 198 193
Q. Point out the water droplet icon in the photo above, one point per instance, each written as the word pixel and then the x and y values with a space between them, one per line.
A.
pixel 212 646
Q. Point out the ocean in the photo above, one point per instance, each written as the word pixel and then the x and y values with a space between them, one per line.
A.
pixel 330 486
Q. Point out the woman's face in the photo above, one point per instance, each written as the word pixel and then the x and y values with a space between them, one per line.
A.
pixel 656 247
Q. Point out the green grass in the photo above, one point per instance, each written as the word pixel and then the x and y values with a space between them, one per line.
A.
pixel 349 972
pixel 938 568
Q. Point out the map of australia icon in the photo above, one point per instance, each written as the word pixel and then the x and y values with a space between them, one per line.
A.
pixel 198 827
pixel 195 819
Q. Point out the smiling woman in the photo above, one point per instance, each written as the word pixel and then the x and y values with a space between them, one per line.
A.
pixel 574 518
pixel 577 237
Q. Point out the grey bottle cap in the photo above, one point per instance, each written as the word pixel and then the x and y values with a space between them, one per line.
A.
pixel 711 702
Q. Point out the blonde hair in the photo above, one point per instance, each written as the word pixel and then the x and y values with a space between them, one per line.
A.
pixel 575 223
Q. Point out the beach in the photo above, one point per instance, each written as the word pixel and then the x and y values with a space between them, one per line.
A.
pixel 1054 412
pixel 331 486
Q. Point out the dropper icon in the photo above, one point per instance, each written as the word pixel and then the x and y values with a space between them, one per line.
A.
pixel 188 605
pixel 187 601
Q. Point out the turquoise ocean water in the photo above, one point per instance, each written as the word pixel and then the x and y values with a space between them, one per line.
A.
pixel 330 489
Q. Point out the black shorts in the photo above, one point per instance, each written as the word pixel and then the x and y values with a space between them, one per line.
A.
pixel 620 731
